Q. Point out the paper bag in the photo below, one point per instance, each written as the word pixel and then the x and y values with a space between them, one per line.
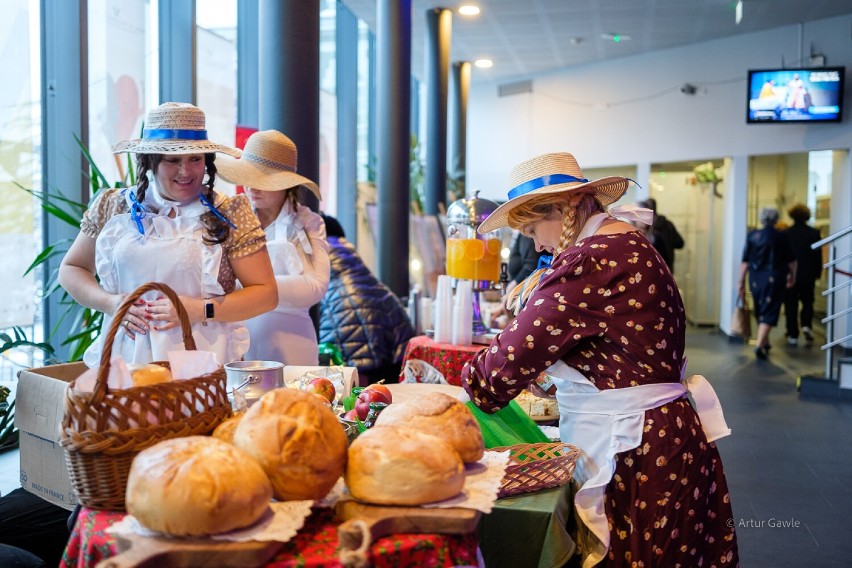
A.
pixel 741 320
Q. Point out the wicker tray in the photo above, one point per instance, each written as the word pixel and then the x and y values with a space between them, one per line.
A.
pixel 103 430
pixel 537 466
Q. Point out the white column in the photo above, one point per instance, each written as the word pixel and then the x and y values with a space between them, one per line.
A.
pixel 733 240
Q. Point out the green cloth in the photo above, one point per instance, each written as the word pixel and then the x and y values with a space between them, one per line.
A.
pixel 530 530
pixel 507 427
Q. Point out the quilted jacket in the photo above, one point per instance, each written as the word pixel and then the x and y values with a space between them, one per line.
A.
pixel 360 314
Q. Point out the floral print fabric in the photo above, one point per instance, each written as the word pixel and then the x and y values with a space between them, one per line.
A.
pixel 610 308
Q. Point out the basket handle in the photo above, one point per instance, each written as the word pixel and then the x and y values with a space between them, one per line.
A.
pixel 106 353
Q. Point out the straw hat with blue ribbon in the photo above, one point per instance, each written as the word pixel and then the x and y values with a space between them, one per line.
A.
pixel 268 163
pixel 548 174
pixel 174 128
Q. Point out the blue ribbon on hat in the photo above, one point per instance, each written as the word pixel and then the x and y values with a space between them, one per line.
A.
pixel 137 212
pixel 215 211
pixel 173 134
pixel 542 181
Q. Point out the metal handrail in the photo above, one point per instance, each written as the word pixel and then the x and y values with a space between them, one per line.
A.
pixel 828 291
pixel 832 238
pixel 841 259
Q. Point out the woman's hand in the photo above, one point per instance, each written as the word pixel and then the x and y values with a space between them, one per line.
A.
pixel 135 319
pixel 163 315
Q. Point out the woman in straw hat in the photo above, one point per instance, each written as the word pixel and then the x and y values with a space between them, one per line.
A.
pixel 175 229
pixel 297 245
pixel 603 327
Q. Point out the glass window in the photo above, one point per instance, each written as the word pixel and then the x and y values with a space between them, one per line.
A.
pixel 119 64
pixel 20 165
pixel 366 163
pixel 216 71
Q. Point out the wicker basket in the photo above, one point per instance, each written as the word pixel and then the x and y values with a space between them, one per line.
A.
pixel 103 430
pixel 537 466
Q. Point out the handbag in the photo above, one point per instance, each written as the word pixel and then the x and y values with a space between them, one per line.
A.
pixel 741 319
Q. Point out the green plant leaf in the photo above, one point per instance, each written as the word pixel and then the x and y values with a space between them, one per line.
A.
pixel 96 172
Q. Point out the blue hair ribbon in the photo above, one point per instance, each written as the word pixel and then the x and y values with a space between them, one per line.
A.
pixel 137 212
pixel 173 134
pixel 215 211
pixel 544 261
pixel 542 181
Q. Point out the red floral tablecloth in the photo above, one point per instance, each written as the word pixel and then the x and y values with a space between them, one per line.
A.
pixel 315 545
pixel 446 357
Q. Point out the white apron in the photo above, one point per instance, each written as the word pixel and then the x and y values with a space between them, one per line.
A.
pixel 285 334
pixel 171 251
pixel 603 423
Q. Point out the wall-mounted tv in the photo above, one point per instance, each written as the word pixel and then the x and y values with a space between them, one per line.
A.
pixel 795 95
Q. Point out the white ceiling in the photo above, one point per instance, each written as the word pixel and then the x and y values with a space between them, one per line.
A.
pixel 529 37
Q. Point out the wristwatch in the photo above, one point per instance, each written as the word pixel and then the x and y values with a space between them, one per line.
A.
pixel 208 312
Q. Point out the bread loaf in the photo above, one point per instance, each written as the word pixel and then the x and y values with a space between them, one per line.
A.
pixel 298 442
pixel 225 430
pixel 440 415
pixel 149 374
pixel 196 486
pixel 396 465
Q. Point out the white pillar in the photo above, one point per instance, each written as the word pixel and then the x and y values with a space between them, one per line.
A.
pixel 733 239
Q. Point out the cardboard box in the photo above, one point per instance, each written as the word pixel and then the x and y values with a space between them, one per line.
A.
pixel 39 410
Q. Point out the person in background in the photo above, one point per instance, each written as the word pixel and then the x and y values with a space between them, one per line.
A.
pixel 606 324
pixel 771 266
pixel 360 314
pixel 173 228
pixel 808 270
pixel 295 238
pixel 655 237
pixel 523 261
pixel 668 232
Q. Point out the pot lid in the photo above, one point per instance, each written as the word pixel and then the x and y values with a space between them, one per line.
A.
pixel 471 211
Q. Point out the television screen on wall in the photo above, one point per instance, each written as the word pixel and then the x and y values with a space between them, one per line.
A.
pixel 795 95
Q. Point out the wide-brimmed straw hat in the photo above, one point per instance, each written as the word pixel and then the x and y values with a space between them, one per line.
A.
pixel 174 128
pixel 548 174
pixel 268 163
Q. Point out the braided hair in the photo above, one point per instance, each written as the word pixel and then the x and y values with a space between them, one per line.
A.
pixel 576 208
pixel 216 230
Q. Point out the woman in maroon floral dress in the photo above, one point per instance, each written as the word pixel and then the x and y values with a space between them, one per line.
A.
pixel 607 324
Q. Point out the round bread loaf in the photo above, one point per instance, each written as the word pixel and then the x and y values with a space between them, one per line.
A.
pixel 225 430
pixel 440 415
pixel 297 441
pixel 149 374
pixel 396 465
pixel 196 486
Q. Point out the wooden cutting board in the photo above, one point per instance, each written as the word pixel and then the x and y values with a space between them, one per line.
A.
pixel 363 523
pixel 150 552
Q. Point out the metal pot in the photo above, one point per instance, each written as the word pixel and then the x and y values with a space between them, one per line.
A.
pixel 254 378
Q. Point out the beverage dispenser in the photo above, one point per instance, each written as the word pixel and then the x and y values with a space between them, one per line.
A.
pixel 471 256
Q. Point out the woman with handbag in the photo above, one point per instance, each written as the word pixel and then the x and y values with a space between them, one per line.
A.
pixel 295 237
pixel 174 228
pixel 605 325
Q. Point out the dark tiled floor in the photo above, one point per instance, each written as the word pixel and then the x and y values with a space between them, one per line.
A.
pixel 788 461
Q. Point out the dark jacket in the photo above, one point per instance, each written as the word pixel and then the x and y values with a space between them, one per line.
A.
pixel 768 251
pixel 672 239
pixel 808 261
pixel 360 314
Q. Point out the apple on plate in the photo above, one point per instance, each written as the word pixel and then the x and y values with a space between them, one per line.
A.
pixel 368 395
pixel 352 415
pixel 323 387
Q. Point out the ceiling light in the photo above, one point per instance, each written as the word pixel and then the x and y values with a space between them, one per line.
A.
pixel 738 15
pixel 468 10
pixel 617 38
pixel 483 63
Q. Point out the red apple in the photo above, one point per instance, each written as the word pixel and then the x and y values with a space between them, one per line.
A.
pixel 352 415
pixel 381 388
pixel 362 403
pixel 323 387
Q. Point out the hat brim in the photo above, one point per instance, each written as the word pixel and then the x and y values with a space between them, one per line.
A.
pixel 145 146
pixel 606 190
pixel 259 176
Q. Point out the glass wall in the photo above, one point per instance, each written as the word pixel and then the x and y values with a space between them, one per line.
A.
pixel 20 167
pixel 328 106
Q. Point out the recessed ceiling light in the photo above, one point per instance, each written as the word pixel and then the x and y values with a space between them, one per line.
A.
pixel 483 63
pixel 617 38
pixel 468 10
